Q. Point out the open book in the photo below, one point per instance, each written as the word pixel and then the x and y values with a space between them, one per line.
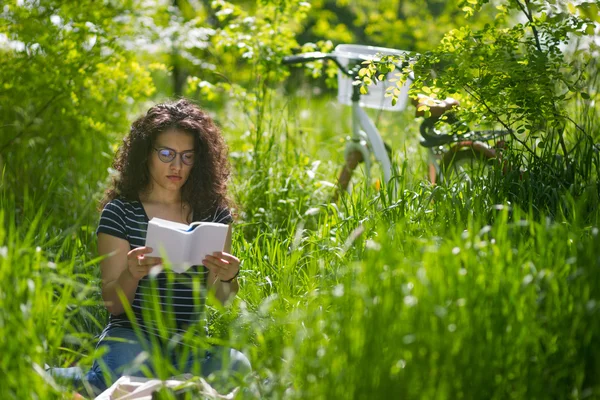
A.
pixel 184 245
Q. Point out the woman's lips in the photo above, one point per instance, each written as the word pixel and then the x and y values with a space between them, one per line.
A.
pixel 174 178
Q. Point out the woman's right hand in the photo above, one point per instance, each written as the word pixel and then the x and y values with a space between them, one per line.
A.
pixel 138 264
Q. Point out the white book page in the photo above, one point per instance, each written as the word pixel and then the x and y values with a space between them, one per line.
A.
pixel 170 224
pixel 171 243
pixel 208 237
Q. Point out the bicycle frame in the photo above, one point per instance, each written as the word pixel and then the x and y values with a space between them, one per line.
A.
pixel 360 119
pixel 442 147
pixel 436 155
pixel 365 138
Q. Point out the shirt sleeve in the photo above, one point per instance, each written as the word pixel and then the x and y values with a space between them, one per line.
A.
pixel 112 221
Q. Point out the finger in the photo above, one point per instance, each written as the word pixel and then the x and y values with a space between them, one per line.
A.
pixel 227 257
pixel 145 250
pixel 140 251
pixel 152 260
pixel 143 270
pixel 146 268
pixel 221 264
pixel 214 267
pixel 216 260
pixel 148 261
pixel 212 264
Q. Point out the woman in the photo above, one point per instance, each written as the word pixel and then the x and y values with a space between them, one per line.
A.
pixel 172 165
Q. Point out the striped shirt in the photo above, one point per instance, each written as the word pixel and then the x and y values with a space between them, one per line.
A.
pixel 175 299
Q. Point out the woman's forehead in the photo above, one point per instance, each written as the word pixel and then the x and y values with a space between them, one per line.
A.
pixel 176 139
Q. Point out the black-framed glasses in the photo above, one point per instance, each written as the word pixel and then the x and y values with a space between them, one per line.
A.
pixel 167 155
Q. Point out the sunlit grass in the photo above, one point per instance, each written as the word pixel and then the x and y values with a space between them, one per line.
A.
pixel 448 291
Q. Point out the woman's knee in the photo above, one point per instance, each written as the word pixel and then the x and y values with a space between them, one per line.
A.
pixel 123 347
pixel 122 356
pixel 95 382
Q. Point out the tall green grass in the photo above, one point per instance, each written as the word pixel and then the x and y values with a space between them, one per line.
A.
pixel 480 290
pixel 44 296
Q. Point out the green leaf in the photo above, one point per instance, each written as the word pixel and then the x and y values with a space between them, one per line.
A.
pixel 585 95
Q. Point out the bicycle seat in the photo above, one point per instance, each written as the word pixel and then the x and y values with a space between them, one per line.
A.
pixel 437 107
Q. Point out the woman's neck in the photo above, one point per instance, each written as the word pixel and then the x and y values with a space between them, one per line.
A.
pixel 161 197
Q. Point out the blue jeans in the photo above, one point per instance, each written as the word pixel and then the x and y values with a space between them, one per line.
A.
pixel 125 356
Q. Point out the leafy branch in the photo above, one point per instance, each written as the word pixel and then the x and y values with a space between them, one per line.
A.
pixel 503 72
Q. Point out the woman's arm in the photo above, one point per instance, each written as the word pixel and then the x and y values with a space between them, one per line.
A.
pixel 121 270
pixel 222 266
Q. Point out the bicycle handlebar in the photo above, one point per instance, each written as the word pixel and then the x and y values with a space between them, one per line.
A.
pixel 305 57
pixel 431 138
pixel 333 56
pixel 315 56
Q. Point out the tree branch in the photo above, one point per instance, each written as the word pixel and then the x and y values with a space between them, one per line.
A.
pixel 471 92
pixel 584 135
pixel 527 11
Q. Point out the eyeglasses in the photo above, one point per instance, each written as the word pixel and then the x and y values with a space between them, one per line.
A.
pixel 167 155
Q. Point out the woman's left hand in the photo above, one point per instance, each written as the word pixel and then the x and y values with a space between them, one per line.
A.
pixel 224 265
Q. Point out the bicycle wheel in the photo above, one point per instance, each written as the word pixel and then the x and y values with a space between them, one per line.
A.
pixel 466 160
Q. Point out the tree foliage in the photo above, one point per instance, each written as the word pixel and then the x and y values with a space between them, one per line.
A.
pixel 67 84
pixel 410 25
pixel 529 72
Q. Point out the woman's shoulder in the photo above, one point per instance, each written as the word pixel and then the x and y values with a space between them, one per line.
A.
pixel 125 206
pixel 122 218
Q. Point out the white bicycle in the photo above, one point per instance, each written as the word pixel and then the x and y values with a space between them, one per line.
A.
pixel 450 153
pixel 365 139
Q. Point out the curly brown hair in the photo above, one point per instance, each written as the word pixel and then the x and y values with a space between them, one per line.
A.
pixel 206 188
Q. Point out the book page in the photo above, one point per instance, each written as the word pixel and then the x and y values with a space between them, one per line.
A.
pixel 208 237
pixel 170 224
pixel 172 243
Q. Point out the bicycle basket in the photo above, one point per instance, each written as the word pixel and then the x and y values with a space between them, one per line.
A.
pixel 376 96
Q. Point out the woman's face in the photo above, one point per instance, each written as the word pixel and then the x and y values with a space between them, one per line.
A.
pixel 171 160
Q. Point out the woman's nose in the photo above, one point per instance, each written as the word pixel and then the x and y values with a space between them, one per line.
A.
pixel 176 164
